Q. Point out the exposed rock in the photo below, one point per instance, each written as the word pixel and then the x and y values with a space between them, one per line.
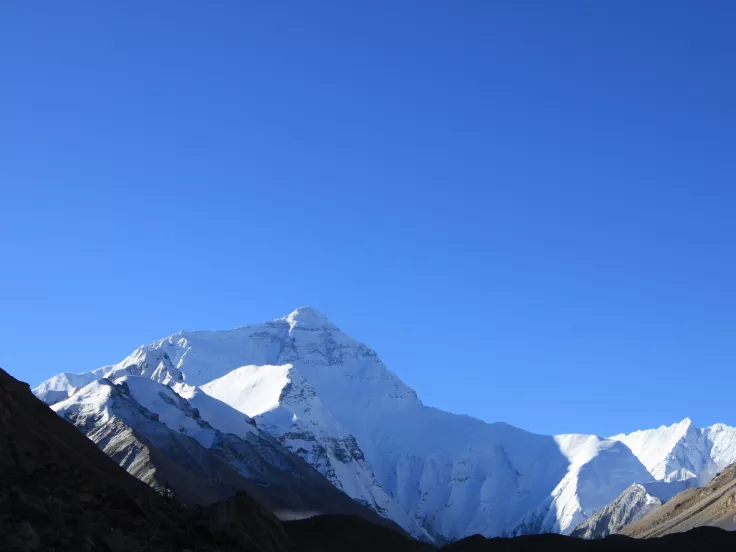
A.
pixel 713 505
pixel 631 505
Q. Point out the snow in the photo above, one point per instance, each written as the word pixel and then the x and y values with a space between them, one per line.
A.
pixel 331 400
pixel 220 415
pixel 722 439
pixel 62 386
pixel 682 451
pixel 308 318
pixel 653 446
pixel 172 410
pixel 252 390
pixel 93 399
pixel 599 470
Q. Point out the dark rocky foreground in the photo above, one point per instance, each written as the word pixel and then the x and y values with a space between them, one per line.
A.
pixel 338 534
pixel 59 492
pixel 697 540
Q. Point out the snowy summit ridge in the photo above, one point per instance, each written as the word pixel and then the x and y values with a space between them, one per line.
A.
pixel 331 400
pixel 308 318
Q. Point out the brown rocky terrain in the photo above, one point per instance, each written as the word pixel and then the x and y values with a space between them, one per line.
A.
pixel 712 505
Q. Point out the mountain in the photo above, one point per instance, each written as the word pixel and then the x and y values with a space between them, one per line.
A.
pixel 711 505
pixel 331 400
pixel 159 437
pixel 631 505
pixel 60 492
pixel 682 451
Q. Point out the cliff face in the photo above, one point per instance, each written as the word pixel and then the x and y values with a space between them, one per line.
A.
pixel 631 505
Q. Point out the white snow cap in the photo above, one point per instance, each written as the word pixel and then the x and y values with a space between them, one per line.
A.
pixel 308 318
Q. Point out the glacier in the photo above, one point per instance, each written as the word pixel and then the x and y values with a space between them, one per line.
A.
pixel 331 400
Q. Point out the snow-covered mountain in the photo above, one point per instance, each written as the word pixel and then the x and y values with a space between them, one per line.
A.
pixel 678 457
pixel 682 451
pixel 332 401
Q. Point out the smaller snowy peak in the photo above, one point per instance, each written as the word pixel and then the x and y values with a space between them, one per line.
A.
pixel 723 444
pixel 308 318
pixel 62 386
pixel 172 410
pixel 656 447
pixel 631 505
pixel 147 361
pixel 682 451
pixel 92 400
pixel 104 398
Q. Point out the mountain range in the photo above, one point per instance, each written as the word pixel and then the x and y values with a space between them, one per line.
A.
pixel 293 402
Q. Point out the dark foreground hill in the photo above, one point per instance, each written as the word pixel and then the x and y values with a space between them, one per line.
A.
pixel 340 534
pixel 59 492
pixel 698 540
pixel 351 534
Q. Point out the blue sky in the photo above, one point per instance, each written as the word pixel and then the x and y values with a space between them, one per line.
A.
pixel 526 208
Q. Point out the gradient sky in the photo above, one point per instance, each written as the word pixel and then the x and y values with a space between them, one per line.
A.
pixel 527 208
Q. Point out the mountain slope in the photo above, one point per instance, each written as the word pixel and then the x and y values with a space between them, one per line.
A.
pixel 161 439
pixel 630 506
pixel 332 401
pixel 60 492
pixel 711 505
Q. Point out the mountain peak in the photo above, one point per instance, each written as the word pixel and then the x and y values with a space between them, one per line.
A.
pixel 308 318
pixel 686 423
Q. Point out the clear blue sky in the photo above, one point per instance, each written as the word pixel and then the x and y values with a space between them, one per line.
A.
pixel 527 208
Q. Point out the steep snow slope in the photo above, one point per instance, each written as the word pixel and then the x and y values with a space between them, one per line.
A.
pixel 220 415
pixel 682 451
